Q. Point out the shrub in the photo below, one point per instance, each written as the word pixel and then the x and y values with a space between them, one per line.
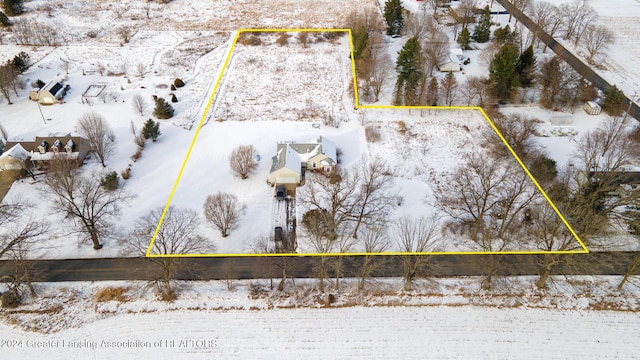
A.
pixel 173 87
pixel 283 39
pixel 163 110
pixel 140 140
pixel 371 134
pixel 4 20
pixel 243 160
pixel 10 299
pixel 402 127
pixel 126 173
pixel 137 155
pixel 178 83
pixel 91 34
pixel 111 294
pixel 174 99
pixel 110 181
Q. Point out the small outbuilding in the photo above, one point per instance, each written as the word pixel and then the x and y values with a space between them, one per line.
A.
pixel 592 108
pixel 449 65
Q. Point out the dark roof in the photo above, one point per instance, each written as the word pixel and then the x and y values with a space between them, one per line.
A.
pixel 53 88
pixel 622 177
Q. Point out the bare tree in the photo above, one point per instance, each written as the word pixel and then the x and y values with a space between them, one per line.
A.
pixel 119 9
pixel 92 208
pixel 177 235
pixel 519 131
pixel 632 270
pixel 139 104
pixel 96 130
pixel 421 24
pixel 375 65
pixel 331 200
pixel 465 11
pixel 474 91
pixel 374 240
pixel 415 235
pixel 576 16
pixel 243 160
pixel 303 38
pixel 449 87
pixel 125 34
pixel 548 18
pixel 8 79
pixel 140 70
pixel 223 211
pixel 435 49
pixel 374 201
pixel 329 203
pixel 597 38
pixel 559 83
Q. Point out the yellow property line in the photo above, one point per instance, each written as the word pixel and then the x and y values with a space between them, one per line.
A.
pixel 584 249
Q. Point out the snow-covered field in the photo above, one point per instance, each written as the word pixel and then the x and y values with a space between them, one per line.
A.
pixel 452 321
pixel 620 65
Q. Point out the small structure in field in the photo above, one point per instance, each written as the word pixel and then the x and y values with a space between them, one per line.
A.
pixel 450 64
pixel 292 159
pixel 14 159
pixel 49 94
pixel 592 108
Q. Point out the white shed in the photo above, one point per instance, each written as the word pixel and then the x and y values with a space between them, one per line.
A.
pixel 592 108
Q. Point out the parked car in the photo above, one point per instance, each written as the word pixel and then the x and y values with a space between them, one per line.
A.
pixel 278 233
pixel 281 192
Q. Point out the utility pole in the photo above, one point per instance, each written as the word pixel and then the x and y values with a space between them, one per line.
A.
pixel 41 114
pixel 631 100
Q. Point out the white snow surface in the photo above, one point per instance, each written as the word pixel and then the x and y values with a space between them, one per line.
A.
pixel 455 321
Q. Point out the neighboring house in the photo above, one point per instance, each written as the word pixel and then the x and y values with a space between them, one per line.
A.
pixel 44 149
pixel 15 158
pixel 292 159
pixel 48 94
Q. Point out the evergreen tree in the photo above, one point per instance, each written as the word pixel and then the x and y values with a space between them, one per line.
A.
pixel 482 31
pixel 12 7
pixel 503 76
pixel 526 67
pixel 163 109
pixel 504 35
pixel 613 101
pixel 409 68
pixel 464 38
pixel 4 20
pixel 432 92
pixel 110 181
pixel 394 16
pixel 21 62
pixel 151 130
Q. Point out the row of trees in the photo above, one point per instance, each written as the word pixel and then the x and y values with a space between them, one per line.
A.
pixel 575 21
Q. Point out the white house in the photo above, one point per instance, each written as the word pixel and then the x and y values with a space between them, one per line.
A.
pixel 292 159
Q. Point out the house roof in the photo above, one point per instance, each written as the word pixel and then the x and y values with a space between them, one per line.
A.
pixel 53 87
pixel 16 151
pixel 292 155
